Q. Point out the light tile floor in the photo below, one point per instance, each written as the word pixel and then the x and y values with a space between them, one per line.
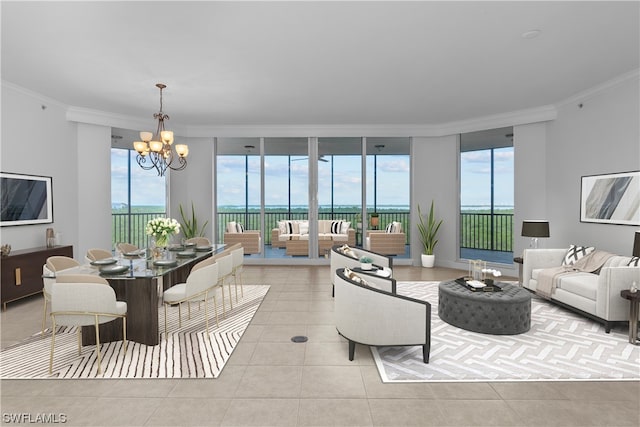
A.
pixel 270 381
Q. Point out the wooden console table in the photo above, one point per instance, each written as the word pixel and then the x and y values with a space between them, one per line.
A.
pixel 22 271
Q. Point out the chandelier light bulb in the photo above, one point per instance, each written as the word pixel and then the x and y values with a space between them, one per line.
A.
pixel 182 150
pixel 167 136
pixel 141 147
pixel 156 146
pixel 146 136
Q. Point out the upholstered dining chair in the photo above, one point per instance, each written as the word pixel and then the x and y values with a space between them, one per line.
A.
pixel 225 270
pixel 97 254
pixel 200 286
pixel 237 256
pixel 84 300
pixel 53 265
pixel 126 248
pixel 198 241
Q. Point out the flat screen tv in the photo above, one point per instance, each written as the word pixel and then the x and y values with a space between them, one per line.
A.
pixel 26 199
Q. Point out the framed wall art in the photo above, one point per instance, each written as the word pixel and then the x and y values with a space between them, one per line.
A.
pixel 611 199
pixel 26 199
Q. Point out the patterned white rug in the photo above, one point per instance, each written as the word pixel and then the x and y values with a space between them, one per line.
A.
pixel 187 353
pixel 560 345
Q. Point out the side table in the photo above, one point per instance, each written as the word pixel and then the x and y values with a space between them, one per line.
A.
pixel 518 260
pixel 634 304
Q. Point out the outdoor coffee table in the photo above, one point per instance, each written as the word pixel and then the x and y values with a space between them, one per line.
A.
pixel 499 313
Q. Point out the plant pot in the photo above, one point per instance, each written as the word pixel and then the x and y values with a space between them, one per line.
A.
pixel 365 266
pixel 428 260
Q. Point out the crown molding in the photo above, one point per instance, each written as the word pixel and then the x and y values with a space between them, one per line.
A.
pixel 596 90
pixel 533 115
pixel 32 94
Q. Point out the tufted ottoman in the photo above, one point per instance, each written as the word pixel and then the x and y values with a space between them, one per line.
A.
pixel 498 313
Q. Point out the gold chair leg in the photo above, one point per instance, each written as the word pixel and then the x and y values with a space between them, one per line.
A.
pixel 98 343
pixel 179 315
pixel 53 340
pixel 44 315
pixel 124 333
pixel 189 308
pixel 206 314
pixel 224 308
pixel 215 307
pixel 79 340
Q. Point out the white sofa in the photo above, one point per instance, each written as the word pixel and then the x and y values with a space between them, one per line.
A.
pixel 330 232
pixel 595 295
pixel 374 315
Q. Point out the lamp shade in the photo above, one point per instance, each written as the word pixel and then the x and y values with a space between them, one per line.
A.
pixel 636 244
pixel 535 228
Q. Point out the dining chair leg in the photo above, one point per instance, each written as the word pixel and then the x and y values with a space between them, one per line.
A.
pixel 98 343
pixel 215 308
pixel 206 315
pixel 79 334
pixel 124 333
pixel 44 315
pixel 53 340
pixel 180 315
pixel 224 308
pixel 189 308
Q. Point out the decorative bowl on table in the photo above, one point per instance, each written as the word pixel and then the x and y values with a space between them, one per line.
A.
pixel 105 261
pixel 114 269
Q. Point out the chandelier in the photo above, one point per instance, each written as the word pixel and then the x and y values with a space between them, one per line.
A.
pixel 155 152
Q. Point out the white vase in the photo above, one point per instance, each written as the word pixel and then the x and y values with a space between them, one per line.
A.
pixel 428 260
pixel 365 266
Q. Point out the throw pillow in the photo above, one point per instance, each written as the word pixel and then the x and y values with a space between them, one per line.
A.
pixel 336 226
pixel 348 252
pixel 345 227
pixel 389 228
pixel 239 228
pixel 576 253
pixel 634 262
pixel 304 227
pixel 354 277
pixel 231 227
pixel 282 227
pixel 397 227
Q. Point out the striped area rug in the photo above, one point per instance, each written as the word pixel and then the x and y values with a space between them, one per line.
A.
pixel 560 345
pixel 187 353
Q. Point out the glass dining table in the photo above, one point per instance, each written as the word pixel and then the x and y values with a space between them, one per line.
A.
pixel 137 280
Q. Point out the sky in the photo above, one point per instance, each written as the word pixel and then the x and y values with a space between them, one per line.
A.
pixel 392 180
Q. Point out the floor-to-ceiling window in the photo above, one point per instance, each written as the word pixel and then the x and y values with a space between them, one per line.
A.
pixel 137 195
pixel 263 181
pixel 388 184
pixel 238 183
pixel 486 195
pixel 286 187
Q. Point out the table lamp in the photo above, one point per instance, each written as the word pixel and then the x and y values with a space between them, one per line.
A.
pixel 535 229
pixel 636 245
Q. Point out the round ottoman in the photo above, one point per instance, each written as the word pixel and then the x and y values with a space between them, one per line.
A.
pixel 498 313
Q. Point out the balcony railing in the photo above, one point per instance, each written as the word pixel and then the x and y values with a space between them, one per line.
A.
pixel 486 231
pixel 129 227
pixel 477 230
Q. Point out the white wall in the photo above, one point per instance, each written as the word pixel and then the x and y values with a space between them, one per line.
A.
pixel 601 137
pixel 93 188
pixel 434 176
pixel 530 181
pixel 38 140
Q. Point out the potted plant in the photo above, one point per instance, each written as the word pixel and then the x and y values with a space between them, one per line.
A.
pixel 366 263
pixel 428 236
pixel 375 220
pixel 190 225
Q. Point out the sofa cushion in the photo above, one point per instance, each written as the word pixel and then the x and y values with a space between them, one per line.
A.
pixel 576 253
pixel 340 237
pixel 303 227
pixel 579 283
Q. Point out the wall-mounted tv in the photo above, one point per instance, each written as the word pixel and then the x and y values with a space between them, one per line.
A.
pixel 25 199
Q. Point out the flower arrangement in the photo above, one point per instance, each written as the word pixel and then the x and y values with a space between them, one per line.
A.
pixel 366 263
pixel 161 229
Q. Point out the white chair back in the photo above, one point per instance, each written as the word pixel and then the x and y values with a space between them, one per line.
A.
pixel 59 263
pixel 237 256
pixel 202 279
pixel 82 298
pixel 225 264
pixel 98 254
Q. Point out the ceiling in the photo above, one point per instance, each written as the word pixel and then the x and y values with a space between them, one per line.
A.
pixel 320 63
